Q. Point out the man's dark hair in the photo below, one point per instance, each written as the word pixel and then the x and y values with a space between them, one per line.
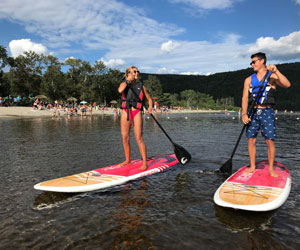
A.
pixel 260 56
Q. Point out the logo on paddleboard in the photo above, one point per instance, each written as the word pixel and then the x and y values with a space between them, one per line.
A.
pixel 183 160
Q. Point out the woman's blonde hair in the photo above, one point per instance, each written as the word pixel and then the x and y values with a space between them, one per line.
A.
pixel 128 70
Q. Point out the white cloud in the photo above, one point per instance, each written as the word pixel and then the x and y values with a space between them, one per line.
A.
pixel 114 63
pixel 92 24
pixel 285 48
pixel 169 46
pixel 120 34
pixel 71 57
pixel 298 1
pixel 191 73
pixel 207 4
pixel 18 47
pixel 166 71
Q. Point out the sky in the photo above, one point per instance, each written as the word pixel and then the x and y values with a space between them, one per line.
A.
pixel 198 37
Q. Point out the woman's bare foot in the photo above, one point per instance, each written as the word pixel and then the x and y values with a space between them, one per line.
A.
pixel 124 163
pixel 273 173
pixel 250 170
pixel 144 166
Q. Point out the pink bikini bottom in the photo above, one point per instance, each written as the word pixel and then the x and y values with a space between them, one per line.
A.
pixel 132 113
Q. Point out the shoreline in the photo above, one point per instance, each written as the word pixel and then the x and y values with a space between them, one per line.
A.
pixel 19 112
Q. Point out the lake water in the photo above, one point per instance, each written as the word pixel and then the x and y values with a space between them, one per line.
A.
pixel 170 210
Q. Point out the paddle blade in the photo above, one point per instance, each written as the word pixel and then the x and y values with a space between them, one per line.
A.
pixel 182 155
pixel 226 167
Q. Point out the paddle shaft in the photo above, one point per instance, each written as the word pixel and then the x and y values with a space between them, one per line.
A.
pixel 162 129
pixel 260 90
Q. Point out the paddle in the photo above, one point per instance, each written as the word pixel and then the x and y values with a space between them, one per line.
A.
pixel 227 166
pixel 182 155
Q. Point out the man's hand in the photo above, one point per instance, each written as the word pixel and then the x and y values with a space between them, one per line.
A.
pixel 272 68
pixel 245 119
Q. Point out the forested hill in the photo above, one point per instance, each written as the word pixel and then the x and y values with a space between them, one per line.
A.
pixel 230 84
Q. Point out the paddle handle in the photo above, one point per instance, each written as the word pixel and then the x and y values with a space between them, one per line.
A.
pixel 162 128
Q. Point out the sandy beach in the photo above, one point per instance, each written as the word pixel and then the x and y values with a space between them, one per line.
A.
pixel 15 111
pixel 29 112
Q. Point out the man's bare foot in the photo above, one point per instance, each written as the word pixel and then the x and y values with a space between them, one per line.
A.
pixel 250 170
pixel 273 173
pixel 124 163
pixel 144 167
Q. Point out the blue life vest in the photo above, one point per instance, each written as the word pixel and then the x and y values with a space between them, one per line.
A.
pixel 268 97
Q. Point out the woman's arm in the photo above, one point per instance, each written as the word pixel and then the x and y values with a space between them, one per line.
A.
pixel 148 99
pixel 122 87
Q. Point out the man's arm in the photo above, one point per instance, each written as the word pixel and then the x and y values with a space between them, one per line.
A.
pixel 279 78
pixel 245 117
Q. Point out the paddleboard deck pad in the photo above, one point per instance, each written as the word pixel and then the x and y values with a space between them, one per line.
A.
pixel 108 176
pixel 256 191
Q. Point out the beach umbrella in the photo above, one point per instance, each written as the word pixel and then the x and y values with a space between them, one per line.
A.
pixel 72 99
pixel 41 97
pixel 113 102
pixel 83 102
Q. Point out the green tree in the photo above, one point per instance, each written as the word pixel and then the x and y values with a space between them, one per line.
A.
pixel 105 83
pixel 115 78
pixel 26 74
pixel 78 79
pixel 153 86
pixel 205 101
pixel 99 82
pixel 53 79
pixel 5 60
pixel 188 98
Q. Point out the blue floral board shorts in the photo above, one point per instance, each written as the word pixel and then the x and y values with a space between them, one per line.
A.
pixel 263 119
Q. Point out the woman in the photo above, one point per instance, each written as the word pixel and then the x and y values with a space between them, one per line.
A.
pixel 133 94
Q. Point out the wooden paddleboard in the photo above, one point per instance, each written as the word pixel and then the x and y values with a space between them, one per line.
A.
pixel 107 176
pixel 256 191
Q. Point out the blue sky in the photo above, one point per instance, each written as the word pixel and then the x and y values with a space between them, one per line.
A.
pixel 158 36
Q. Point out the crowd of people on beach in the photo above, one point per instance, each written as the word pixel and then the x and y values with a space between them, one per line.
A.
pixel 69 108
pixel 7 101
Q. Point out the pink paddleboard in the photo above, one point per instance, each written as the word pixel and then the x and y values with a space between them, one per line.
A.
pixel 256 191
pixel 108 176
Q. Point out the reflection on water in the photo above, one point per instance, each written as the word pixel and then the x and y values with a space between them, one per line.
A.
pixel 128 217
pixel 170 210
pixel 47 200
pixel 238 220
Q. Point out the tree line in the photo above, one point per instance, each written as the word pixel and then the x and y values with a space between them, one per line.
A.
pixel 227 88
pixel 32 74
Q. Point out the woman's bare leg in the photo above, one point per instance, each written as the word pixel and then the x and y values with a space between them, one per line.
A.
pixel 125 132
pixel 138 132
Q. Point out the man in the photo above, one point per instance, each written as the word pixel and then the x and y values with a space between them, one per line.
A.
pixel 263 115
